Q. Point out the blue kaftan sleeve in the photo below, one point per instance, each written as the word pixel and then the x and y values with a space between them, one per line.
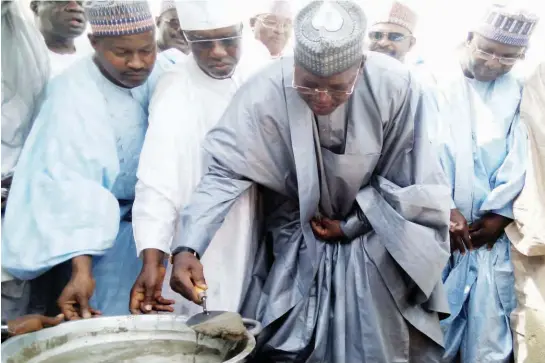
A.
pixel 508 180
pixel 60 205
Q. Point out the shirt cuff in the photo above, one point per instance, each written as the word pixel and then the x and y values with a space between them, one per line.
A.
pixel 144 245
pixel 507 211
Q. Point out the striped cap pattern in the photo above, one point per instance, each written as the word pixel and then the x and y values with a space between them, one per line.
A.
pixel 117 18
pixel 506 26
pixel 400 14
pixel 329 36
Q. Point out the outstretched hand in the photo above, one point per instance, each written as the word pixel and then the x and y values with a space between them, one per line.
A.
pixel 31 323
pixel 146 294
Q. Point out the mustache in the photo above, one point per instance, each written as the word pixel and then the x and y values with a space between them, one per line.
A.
pixel 221 63
pixel 383 50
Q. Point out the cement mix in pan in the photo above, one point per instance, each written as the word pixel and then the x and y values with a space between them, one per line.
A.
pixel 131 339
pixel 140 352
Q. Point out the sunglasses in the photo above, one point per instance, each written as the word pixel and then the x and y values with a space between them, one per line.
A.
pixel 393 37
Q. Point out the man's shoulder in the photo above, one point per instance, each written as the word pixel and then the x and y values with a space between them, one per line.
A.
pixel 178 76
pixel 70 81
pixel 74 94
pixel 268 78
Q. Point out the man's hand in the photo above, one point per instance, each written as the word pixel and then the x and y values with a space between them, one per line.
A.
pixel 146 293
pixel 460 238
pixel 31 323
pixel 74 300
pixel 327 229
pixel 187 275
pixel 488 229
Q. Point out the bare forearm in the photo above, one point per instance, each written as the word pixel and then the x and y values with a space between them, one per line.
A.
pixel 153 257
pixel 82 265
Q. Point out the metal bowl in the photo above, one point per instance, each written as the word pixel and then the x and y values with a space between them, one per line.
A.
pixel 133 338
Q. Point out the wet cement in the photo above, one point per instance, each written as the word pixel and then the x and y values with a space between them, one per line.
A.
pixel 227 325
pixel 156 351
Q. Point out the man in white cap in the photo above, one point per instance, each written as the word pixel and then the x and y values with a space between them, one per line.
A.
pixel 482 147
pixel 74 185
pixel 170 35
pixel 273 26
pixel 355 205
pixel 527 233
pixel 187 103
pixel 392 34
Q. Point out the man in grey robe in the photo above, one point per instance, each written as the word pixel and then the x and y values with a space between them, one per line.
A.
pixel 355 206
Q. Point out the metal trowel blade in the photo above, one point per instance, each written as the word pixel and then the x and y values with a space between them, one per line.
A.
pixel 201 318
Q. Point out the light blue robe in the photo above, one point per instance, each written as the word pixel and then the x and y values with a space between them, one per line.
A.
pixel 374 298
pixel 78 161
pixel 483 151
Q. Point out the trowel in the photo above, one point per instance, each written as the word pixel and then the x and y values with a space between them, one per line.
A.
pixel 221 324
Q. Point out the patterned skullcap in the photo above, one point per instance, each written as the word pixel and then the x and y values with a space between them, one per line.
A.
pixel 507 25
pixel 329 36
pixel 119 17
pixel 400 14
pixel 167 5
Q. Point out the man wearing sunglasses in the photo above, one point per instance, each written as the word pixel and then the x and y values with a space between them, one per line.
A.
pixel 170 36
pixel 393 34
pixel 273 26
pixel 482 146
pixel 187 103
pixel 355 205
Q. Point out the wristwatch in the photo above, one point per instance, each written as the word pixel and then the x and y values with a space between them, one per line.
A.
pixel 183 249
pixel 5 331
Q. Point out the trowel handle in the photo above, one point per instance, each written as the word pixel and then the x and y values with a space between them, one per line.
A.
pixel 200 292
pixel 254 327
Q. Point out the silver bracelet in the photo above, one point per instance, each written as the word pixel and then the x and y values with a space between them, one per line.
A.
pixel 5 329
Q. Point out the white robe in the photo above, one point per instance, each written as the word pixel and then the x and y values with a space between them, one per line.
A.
pixel 527 233
pixel 187 103
pixel 60 62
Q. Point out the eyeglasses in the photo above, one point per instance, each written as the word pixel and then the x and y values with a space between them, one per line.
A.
pixel 393 37
pixel 506 61
pixel 209 43
pixel 333 93
pixel 272 22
